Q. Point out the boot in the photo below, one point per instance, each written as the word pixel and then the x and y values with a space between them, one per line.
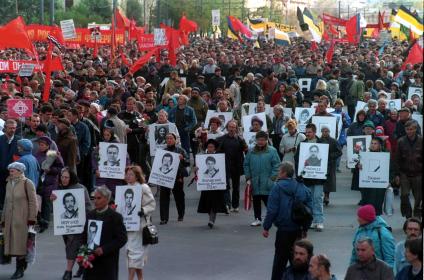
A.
pixel 19 273
pixel 67 275
pixel 79 272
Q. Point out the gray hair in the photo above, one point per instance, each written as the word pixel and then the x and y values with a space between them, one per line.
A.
pixel 279 108
pixel 288 168
pixel 104 191
pixel 372 102
pixel 163 112
pixel 365 239
pixel 382 100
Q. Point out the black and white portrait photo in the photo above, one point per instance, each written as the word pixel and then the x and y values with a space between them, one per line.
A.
pixel 128 201
pixel 70 206
pixel 329 122
pixel 313 160
pixel 94 233
pixel 302 116
pixel 164 168
pixel 157 133
pixel 415 91
pixel 225 117
pixel 355 145
pixel 254 123
pixel 68 211
pixel 112 160
pixel 211 173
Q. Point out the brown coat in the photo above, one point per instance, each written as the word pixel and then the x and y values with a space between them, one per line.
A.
pixel 67 144
pixel 19 208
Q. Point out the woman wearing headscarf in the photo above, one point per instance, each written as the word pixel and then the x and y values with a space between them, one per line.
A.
pixel 51 163
pixel 211 202
pixel 68 180
pixel 19 213
pixel 136 251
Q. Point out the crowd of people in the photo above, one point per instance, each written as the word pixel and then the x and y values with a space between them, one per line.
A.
pixel 96 99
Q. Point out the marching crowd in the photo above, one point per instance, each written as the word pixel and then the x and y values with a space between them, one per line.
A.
pixel 97 99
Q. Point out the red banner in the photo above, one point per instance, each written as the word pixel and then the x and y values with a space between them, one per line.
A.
pixel 9 66
pixel 18 108
pixel 333 20
pixel 146 42
pixel 38 32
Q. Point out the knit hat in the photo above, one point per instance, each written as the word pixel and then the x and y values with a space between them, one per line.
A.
pixel 369 124
pixel 379 131
pixel 367 213
pixel 25 144
pixel 95 105
pixel 45 139
pixel 17 165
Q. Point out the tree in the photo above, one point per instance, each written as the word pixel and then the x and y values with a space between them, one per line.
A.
pixel 135 11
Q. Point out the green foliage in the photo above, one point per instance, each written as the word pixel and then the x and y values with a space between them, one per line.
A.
pixel 135 11
pixel 87 11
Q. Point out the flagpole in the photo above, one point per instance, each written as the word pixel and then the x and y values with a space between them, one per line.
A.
pixel 47 65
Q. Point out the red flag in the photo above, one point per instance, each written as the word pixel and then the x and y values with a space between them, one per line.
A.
pixel 314 46
pixel 187 25
pixel 47 69
pixel 121 20
pixel 330 52
pixel 19 81
pixel 124 59
pixel 353 30
pixel 415 55
pixel 14 35
pixel 142 60
pixel 56 64
pixel 4 84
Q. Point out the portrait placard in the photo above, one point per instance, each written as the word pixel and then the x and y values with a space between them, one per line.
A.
pixel 112 160
pixel 157 134
pixel 313 160
pixel 165 168
pixel 94 233
pixel 419 119
pixel 360 105
pixel 355 145
pixel 375 170
pixel 339 123
pixel 247 122
pixel 69 211
pixel 415 91
pixel 225 117
pixel 128 201
pixel 330 122
pixel 252 108
pixel 302 116
pixel 211 174
pixel 216 17
pixel 394 104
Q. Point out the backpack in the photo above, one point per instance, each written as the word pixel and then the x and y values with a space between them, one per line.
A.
pixel 301 214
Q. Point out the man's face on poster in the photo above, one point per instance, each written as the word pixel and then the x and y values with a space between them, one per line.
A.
pixel 210 164
pixel 70 203
pixel 166 162
pixel 304 116
pixel 129 197
pixel 313 151
pixel 112 154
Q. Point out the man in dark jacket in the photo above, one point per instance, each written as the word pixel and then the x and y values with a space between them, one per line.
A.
pixel 408 160
pixel 299 269
pixel 279 213
pixel 216 81
pixel 368 266
pixel 404 116
pixel 249 90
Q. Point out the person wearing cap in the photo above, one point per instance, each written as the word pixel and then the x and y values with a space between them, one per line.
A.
pixel 32 168
pixel 216 81
pixel 261 169
pixel 374 227
pixel 67 144
pixel 408 167
pixel 199 83
pixel 404 117
pixel 373 114
pixel 19 213
pixel 211 201
pixel 193 73
pixel 41 131
pixel 249 90
pixel 50 162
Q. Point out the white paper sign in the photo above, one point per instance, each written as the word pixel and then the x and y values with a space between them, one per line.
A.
pixel 375 170
pixel 164 169
pixel 355 145
pixel 225 117
pixel 247 122
pixel 305 84
pixel 26 70
pixel 419 119
pixel 69 211
pixel 252 108
pixel 360 105
pixel 112 160
pixel 211 174
pixel 128 201
pixel 330 122
pixel 415 91
pixel 157 133
pixel 159 36
pixel 302 116
pixel 94 233
pixel 394 104
pixel 68 29
pixel 339 122
pixel 313 160
pixel 216 17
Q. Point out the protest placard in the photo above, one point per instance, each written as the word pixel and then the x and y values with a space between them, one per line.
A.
pixel 211 174
pixel 164 169
pixel 128 201
pixel 69 211
pixel 375 170
pixel 112 160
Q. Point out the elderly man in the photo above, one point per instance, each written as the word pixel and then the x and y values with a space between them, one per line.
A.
pixel 373 114
pixel 367 265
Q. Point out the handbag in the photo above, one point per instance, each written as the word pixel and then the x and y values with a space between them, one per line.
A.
pixel 248 197
pixel 150 234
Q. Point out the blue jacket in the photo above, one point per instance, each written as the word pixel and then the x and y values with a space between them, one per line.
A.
pixel 377 118
pixel 406 274
pixel 32 171
pixel 84 137
pixel 261 167
pixel 280 201
pixel 400 259
pixel 289 274
pixel 345 124
pixel 189 116
pixel 384 248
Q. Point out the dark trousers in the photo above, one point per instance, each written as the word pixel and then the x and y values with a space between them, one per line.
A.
pixel 257 206
pixel 185 139
pixel 194 145
pixel 284 241
pixel 375 197
pixel 139 154
pixel 84 172
pixel 164 198
pixel 407 185
pixel 351 111
pixel 46 209
pixel 3 176
pixel 276 140
pixel 233 200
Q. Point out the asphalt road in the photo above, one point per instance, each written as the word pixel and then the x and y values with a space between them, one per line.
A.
pixel 232 250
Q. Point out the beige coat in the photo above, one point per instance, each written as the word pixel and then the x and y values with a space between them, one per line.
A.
pixel 148 204
pixel 19 208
